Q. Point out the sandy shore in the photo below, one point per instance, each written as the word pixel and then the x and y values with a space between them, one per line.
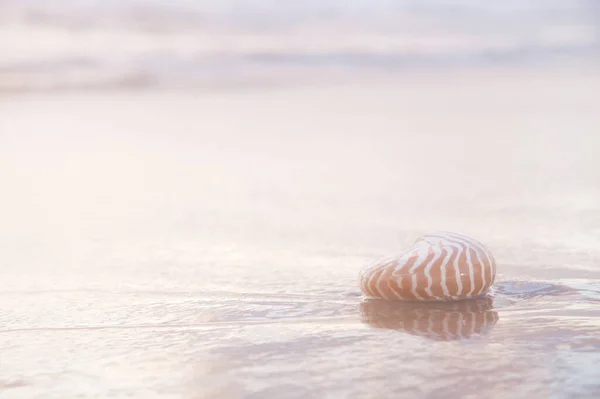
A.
pixel 205 243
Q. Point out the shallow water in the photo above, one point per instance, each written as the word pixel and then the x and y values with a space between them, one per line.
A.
pixel 207 244
pixel 230 345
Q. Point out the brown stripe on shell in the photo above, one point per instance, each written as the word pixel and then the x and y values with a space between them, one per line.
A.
pixel 436 274
pixel 421 279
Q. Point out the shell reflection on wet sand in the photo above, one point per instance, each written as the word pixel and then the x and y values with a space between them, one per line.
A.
pixel 441 266
pixel 440 321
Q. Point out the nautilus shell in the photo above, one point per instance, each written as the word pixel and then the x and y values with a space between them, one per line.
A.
pixel 441 266
pixel 438 321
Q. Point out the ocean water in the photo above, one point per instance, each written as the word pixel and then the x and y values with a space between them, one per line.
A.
pixel 64 44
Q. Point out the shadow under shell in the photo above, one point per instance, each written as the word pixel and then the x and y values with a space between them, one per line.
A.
pixel 440 321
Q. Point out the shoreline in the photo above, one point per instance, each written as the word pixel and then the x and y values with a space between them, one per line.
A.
pixel 276 78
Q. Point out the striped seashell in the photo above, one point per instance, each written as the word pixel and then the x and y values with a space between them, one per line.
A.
pixel 438 321
pixel 441 266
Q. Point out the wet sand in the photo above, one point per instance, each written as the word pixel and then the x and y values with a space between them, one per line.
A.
pixel 206 243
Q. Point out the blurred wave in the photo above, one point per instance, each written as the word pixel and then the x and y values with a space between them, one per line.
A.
pixel 60 43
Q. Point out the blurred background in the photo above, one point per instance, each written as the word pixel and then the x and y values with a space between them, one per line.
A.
pixel 189 188
pixel 86 43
